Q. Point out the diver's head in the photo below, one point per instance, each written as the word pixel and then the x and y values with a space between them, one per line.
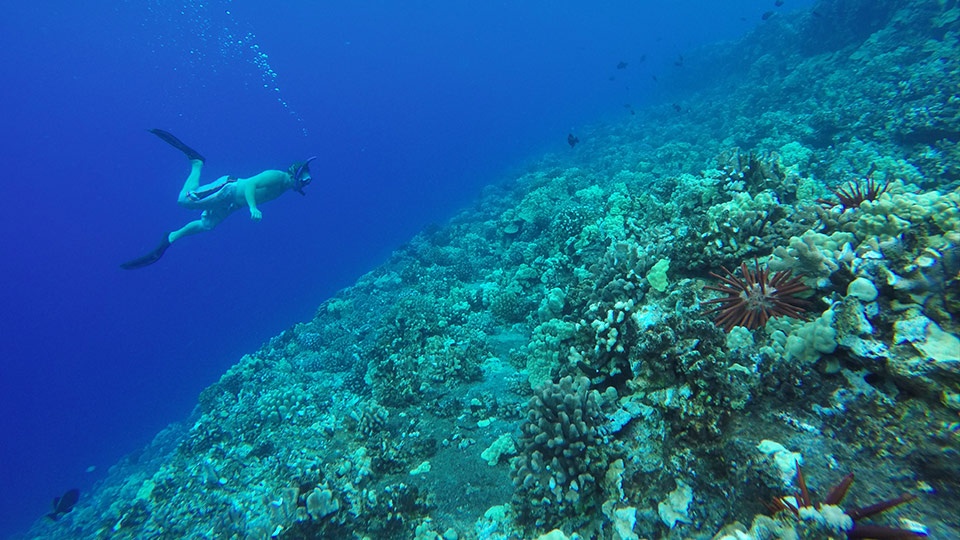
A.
pixel 300 174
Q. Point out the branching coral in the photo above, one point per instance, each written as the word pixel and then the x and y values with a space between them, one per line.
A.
pixel 563 452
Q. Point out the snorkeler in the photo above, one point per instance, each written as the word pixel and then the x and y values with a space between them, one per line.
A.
pixel 220 198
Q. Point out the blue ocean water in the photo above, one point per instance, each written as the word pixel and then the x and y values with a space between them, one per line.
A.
pixel 411 107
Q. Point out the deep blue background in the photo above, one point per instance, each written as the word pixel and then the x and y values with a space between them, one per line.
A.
pixel 411 106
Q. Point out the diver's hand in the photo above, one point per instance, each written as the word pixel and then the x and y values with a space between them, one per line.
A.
pixel 256 214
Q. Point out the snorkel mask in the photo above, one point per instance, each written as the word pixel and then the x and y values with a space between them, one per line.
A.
pixel 300 172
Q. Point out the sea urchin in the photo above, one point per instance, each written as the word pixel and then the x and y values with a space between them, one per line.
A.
pixel 854 193
pixel 802 506
pixel 755 298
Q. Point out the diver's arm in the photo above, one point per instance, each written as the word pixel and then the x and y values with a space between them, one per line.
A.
pixel 250 194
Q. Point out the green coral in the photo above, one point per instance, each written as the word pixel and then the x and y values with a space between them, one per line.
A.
pixel 657 277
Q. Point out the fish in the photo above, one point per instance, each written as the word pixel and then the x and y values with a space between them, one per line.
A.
pixel 778 3
pixel 679 61
pixel 64 504
pixel 766 15
pixel 622 65
pixel 572 140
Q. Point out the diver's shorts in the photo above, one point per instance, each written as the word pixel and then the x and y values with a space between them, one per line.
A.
pixel 217 206
pixel 212 217
pixel 211 197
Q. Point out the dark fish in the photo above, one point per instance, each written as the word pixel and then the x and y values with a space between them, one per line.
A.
pixel 587 370
pixel 622 65
pixel 63 505
pixel 766 15
pixel 677 107
pixel 655 79
pixel 572 140
pixel 778 3
pixel 643 57
pixel 679 61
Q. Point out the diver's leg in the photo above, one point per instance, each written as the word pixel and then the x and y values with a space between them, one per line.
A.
pixel 192 183
pixel 208 220
pixel 203 196
pixel 194 227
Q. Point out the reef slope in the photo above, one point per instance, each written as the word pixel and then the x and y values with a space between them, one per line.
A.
pixel 546 359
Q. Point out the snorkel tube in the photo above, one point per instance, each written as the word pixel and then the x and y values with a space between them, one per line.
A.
pixel 296 171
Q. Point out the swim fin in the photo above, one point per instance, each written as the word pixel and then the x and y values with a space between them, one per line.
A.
pixel 178 144
pixel 149 258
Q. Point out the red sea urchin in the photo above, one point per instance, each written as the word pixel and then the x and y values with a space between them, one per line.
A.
pixel 756 298
pixel 801 504
pixel 853 193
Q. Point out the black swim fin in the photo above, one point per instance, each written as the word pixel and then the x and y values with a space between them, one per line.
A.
pixel 178 144
pixel 149 258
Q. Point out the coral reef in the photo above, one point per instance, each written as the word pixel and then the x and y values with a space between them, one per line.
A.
pixel 542 365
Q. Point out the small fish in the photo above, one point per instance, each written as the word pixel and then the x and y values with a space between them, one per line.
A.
pixel 778 3
pixel 679 61
pixel 766 15
pixel 677 107
pixel 572 140
pixel 643 57
pixel 63 505
pixel 622 65
pixel 587 370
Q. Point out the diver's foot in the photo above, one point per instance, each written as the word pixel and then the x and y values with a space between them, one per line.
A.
pixel 149 258
pixel 178 144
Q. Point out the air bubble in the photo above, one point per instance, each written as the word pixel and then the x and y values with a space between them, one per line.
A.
pixel 212 39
